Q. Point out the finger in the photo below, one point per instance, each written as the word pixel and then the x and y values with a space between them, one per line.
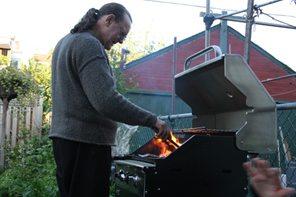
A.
pixel 246 166
pixel 273 172
pixel 250 167
pixel 261 165
pixel 255 167
pixel 286 191
pixel 167 133
pixel 164 135
pixel 160 134
pixel 155 129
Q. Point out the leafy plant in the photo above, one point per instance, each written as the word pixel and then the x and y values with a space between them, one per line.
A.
pixel 42 74
pixel 15 81
pixel 4 60
pixel 112 191
pixel 139 44
pixel 124 84
pixel 30 169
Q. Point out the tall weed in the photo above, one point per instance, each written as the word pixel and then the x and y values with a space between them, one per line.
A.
pixel 30 168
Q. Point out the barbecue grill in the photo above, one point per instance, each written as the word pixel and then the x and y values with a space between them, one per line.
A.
pixel 236 117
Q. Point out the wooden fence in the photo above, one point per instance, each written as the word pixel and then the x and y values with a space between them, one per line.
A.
pixel 15 118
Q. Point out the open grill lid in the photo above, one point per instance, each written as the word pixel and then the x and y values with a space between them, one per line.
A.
pixel 224 93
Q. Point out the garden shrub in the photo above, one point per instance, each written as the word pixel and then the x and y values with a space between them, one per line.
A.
pixel 30 168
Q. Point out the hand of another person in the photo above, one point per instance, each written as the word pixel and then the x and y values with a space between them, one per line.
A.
pixel 163 130
pixel 265 180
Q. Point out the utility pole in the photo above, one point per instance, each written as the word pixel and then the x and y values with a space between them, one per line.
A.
pixel 207 33
pixel 248 33
pixel 209 18
pixel 174 73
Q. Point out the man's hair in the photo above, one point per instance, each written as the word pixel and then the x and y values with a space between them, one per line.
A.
pixel 93 15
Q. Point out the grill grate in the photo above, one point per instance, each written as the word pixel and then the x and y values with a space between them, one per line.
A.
pixel 202 130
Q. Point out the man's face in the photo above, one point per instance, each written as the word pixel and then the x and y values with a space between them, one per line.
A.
pixel 116 32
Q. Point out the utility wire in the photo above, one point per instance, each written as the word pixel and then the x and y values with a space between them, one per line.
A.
pixel 199 6
pixel 283 93
pixel 259 11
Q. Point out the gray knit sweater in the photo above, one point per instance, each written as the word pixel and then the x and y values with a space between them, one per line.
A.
pixel 85 104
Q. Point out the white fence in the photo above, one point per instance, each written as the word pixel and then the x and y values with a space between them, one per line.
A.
pixel 14 119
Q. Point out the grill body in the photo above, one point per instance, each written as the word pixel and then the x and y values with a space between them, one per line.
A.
pixel 205 165
pixel 225 95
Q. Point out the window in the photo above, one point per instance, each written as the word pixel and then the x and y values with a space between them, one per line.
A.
pixel 4 52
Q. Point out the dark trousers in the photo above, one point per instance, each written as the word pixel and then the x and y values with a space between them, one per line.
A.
pixel 83 170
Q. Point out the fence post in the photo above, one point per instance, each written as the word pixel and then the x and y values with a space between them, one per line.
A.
pixel 2 134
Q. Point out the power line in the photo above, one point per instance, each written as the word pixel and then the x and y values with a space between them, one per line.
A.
pixel 183 4
pixel 283 93
pixel 199 6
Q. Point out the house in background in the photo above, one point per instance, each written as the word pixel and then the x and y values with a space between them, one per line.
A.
pixel 4 49
pixel 42 58
pixel 154 72
pixel 10 47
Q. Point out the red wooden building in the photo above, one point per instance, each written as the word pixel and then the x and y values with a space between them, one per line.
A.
pixel 154 72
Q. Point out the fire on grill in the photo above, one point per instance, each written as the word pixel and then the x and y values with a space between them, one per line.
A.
pixel 236 117
pixel 156 148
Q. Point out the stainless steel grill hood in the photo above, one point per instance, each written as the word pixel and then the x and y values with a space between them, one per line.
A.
pixel 225 94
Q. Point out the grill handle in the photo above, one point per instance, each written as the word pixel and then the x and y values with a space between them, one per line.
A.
pixel 188 61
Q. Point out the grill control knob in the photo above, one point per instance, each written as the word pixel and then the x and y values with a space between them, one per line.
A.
pixel 134 180
pixel 118 174
pixel 123 177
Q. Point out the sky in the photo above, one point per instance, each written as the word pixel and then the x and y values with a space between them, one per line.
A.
pixel 40 24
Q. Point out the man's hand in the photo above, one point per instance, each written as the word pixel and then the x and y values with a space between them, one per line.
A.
pixel 265 180
pixel 163 130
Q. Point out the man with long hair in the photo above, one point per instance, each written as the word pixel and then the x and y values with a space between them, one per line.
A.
pixel 86 106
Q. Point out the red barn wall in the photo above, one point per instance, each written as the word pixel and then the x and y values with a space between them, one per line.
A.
pixel 264 68
pixel 155 75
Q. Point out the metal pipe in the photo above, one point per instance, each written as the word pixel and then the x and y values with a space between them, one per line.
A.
pixel 231 14
pixel 176 116
pixel 258 23
pixel 268 3
pixel 190 115
pixel 248 32
pixel 286 106
pixel 205 51
pixel 174 72
pixel 243 20
pixel 277 78
pixel 207 33
pixel 238 12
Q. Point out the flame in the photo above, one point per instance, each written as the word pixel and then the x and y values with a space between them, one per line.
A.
pixel 166 147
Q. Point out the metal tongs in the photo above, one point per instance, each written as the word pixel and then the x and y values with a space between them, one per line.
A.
pixel 170 139
pixel 173 143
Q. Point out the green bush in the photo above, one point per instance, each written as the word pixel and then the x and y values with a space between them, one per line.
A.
pixel 21 83
pixel 30 168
